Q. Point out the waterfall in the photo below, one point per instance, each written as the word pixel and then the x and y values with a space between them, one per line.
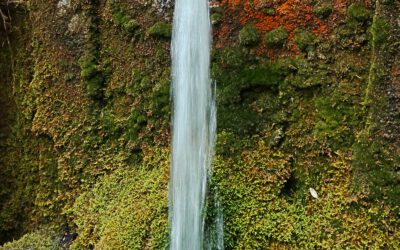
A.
pixel 193 123
pixel 215 228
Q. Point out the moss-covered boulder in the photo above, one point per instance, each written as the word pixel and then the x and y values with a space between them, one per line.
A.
pixel 216 18
pixel 305 40
pixel 248 35
pixel 276 38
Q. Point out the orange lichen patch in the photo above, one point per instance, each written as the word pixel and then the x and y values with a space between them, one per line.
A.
pixel 291 14
pixel 222 33
pixel 234 3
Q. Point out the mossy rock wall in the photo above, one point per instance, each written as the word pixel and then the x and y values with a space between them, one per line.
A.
pixel 85 134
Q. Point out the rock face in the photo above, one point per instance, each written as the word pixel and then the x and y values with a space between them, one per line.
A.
pixel 308 96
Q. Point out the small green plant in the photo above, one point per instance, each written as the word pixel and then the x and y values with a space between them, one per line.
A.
pixel 126 209
pixel 276 38
pixel 248 35
pixel 160 29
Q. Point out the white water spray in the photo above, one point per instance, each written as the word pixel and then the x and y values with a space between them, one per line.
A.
pixel 193 123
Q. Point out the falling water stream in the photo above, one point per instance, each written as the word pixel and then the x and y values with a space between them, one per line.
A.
pixel 193 123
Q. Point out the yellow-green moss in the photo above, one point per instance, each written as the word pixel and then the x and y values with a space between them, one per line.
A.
pixel 159 29
pixel 260 210
pixel 127 209
pixel 284 125
pixel 38 240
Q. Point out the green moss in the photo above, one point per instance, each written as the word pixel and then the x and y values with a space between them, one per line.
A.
pixel 323 10
pixel 106 66
pixel 126 210
pixel 304 75
pixel 218 9
pixel 235 75
pixel 266 74
pixel 88 71
pixel 120 17
pixel 352 34
pixel 250 92
pixel 94 87
pixel 380 31
pixel 258 212
pixel 93 77
pixel 374 173
pixel 248 35
pixel 313 118
pixel 38 240
pixel 130 26
pixel 160 100
pixel 338 115
pixel 239 119
pixel 358 12
pixel 284 125
pixel 375 155
pixel 216 18
pixel 305 40
pixel 276 38
pixel 160 29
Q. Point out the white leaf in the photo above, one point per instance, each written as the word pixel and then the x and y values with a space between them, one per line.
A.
pixel 313 193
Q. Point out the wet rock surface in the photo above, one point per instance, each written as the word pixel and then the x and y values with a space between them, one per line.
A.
pixel 85 123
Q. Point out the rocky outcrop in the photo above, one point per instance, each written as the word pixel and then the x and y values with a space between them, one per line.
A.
pixel 307 96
